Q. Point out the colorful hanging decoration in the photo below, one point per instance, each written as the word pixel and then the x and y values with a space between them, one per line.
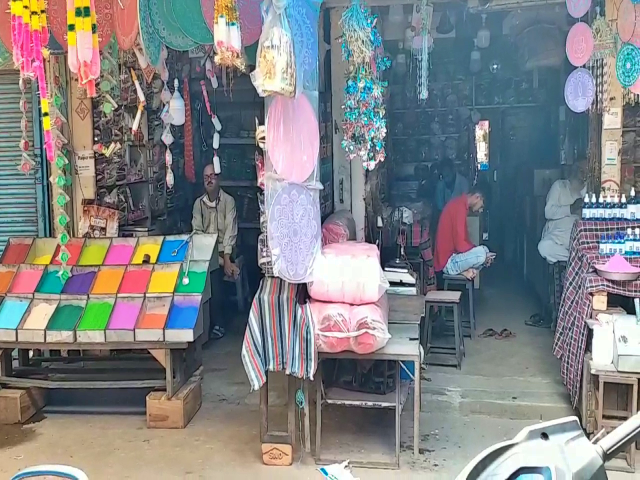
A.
pixel 628 65
pixel 126 23
pixel 364 126
pixel 149 39
pixel 580 43
pixel 26 162
pixel 303 20
pixel 421 49
pixel 189 163
pixel 578 8
pixel 579 90
pixel 57 16
pixel 226 35
pixel 84 46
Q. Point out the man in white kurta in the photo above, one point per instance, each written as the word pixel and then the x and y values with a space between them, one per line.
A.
pixel 563 207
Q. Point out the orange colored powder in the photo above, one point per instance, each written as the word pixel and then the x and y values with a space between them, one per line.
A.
pixel 5 280
pixel 152 320
pixel 108 281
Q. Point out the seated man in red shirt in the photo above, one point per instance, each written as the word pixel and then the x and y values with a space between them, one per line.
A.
pixel 455 254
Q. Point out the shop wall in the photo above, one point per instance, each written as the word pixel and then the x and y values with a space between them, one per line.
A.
pixel 23 197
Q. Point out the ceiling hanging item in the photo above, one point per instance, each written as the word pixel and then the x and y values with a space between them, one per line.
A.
pixel 579 90
pixel 166 26
pixel 103 10
pixel 579 46
pixel 578 8
pixel 250 18
pixel 188 15
pixel 445 25
pixel 293 230
pixel 177 107
pixel 293 138
pixel 82 37
pixel 227 36
pixel 628 18
pixel 483 38
pixel 151 42
pixel 6 25
pixel 475 61
pixel 57 10
pixel 628 64
pixel 303 21
pixel 421 53
pixel 126 25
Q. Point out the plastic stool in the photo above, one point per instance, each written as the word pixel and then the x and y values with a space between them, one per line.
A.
pixel 445 299
pixel 462 280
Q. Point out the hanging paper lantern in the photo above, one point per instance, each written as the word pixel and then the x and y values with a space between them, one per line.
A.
pixel 578 8
pixel 579 90
pixel 579 45
pixel 628 65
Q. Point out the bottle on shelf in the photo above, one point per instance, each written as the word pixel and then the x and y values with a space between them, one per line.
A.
pixel 636 248
pixel 629 243
pixel 602 247
pixel 593 214
pixel 601 213
pixel 615 208
pixel 610 245
pixel 623 208
pixel 586 207
pixel 632 205
pixel 609 207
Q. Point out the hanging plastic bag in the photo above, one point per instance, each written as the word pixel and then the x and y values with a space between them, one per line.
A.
pixel 275 71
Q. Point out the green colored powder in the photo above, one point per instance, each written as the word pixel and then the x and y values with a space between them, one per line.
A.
pixel 65 318
pixel 51 283
pixel 96 316
pixel 93 255
pixel 197 281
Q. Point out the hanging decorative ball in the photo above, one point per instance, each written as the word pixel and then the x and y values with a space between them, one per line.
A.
pixel 580 44
pixel 578 8
pixel 628 65
pixel 579 90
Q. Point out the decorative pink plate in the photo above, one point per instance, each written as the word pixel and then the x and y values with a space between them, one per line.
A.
pixel 5 28
pixel 293 137
pixel 628 15
pixel 635 88
pixel 104 17
pixel 57 18
pixel 578 8
pixel 579 44
pixel 126 23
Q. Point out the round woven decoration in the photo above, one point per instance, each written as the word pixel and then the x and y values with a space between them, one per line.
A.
pixel 166 27
pixel 293 231
pixel 5 55
pixel 126 23
pixel 579 90
pixel 57 18
pixel 303 20
pixel 189 17
pixel 5 28
pixel 104 19
pixel 628 65
pixel 150 40
pixel 579 44
pixel 578 8
pixel 628 14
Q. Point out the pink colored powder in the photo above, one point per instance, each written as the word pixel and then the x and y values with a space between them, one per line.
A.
pixel 618 264
pixel 125 315
pixel 119 254
pixel 26 281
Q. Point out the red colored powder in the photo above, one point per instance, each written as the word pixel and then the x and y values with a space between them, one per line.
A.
pixel 135 281
pixel 15 253
pixel 74 247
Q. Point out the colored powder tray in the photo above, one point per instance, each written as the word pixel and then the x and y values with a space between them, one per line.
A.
pixel 12 311
pixel 107 281
pixel 183 319
pixel 196 279
pixel 51 284
pixel 35 320
pixel 94 251
pixel 163 279
pixel 16 251
pixel 7 272
pixel 147 250
pixel 177 244
pixel 121 251
pixel 62 326
pixel 124 319
pixel 80 282
pixel 136 280
pixel 95 319
pixel 42 250
pixel 153 318
pixel 26 280
pixel 74 247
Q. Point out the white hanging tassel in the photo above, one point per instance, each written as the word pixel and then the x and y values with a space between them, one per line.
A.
pixel 216 165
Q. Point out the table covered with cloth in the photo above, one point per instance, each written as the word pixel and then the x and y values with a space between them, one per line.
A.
pixel 280 334
pixel 580 282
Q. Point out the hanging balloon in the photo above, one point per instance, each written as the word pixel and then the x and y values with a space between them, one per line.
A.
pixel 293 139
pixel 628 65
pixel 126 23
pixel 578 8
pixel 104 14
pixel 579 90
pixel 628 16
pixel 293 230
pixel 579 44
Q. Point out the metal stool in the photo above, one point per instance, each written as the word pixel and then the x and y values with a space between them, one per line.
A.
pixel 440 353
pixel 462 280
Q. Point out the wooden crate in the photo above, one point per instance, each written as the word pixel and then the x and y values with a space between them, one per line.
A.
pixel 178 411
pixel 19 405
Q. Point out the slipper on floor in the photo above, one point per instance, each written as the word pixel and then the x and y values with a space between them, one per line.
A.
pixel 505 333
pixel 217 332
pixel 538 321
pixel 488 333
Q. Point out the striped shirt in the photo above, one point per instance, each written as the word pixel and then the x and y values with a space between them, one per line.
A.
pixel 280 334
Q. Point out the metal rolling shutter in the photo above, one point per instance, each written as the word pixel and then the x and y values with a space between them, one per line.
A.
pixel 22 211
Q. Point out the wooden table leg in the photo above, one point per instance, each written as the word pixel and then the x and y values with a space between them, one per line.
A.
pixel 6 363
pixel 416 408
pixel 264 410
pixel 291 408
pixel 398 414
pixel 319 411
pixel 307 420
pixel 23 357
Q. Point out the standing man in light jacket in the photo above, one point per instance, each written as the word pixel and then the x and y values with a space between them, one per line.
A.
pixel 215 213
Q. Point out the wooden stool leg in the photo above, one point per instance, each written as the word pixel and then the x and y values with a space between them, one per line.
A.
pixel 457 332
pixel 472 309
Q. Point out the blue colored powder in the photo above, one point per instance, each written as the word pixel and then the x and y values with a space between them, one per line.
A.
pixel 168 246
pixel 11 312
pixel 182 316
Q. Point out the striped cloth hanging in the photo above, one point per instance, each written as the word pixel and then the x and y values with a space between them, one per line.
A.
pixel 280 334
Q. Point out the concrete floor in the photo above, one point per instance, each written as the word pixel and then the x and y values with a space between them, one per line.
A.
pixel 504 386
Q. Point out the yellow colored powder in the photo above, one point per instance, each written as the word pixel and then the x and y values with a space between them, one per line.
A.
pixel 43 260
pixel 163 282
pixel 150 249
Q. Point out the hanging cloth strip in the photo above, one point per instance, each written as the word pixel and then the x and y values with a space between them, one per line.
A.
pixel 280 334
pixel 189 165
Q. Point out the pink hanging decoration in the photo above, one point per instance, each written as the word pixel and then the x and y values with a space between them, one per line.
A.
pixel 16 25
pixel 580 44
